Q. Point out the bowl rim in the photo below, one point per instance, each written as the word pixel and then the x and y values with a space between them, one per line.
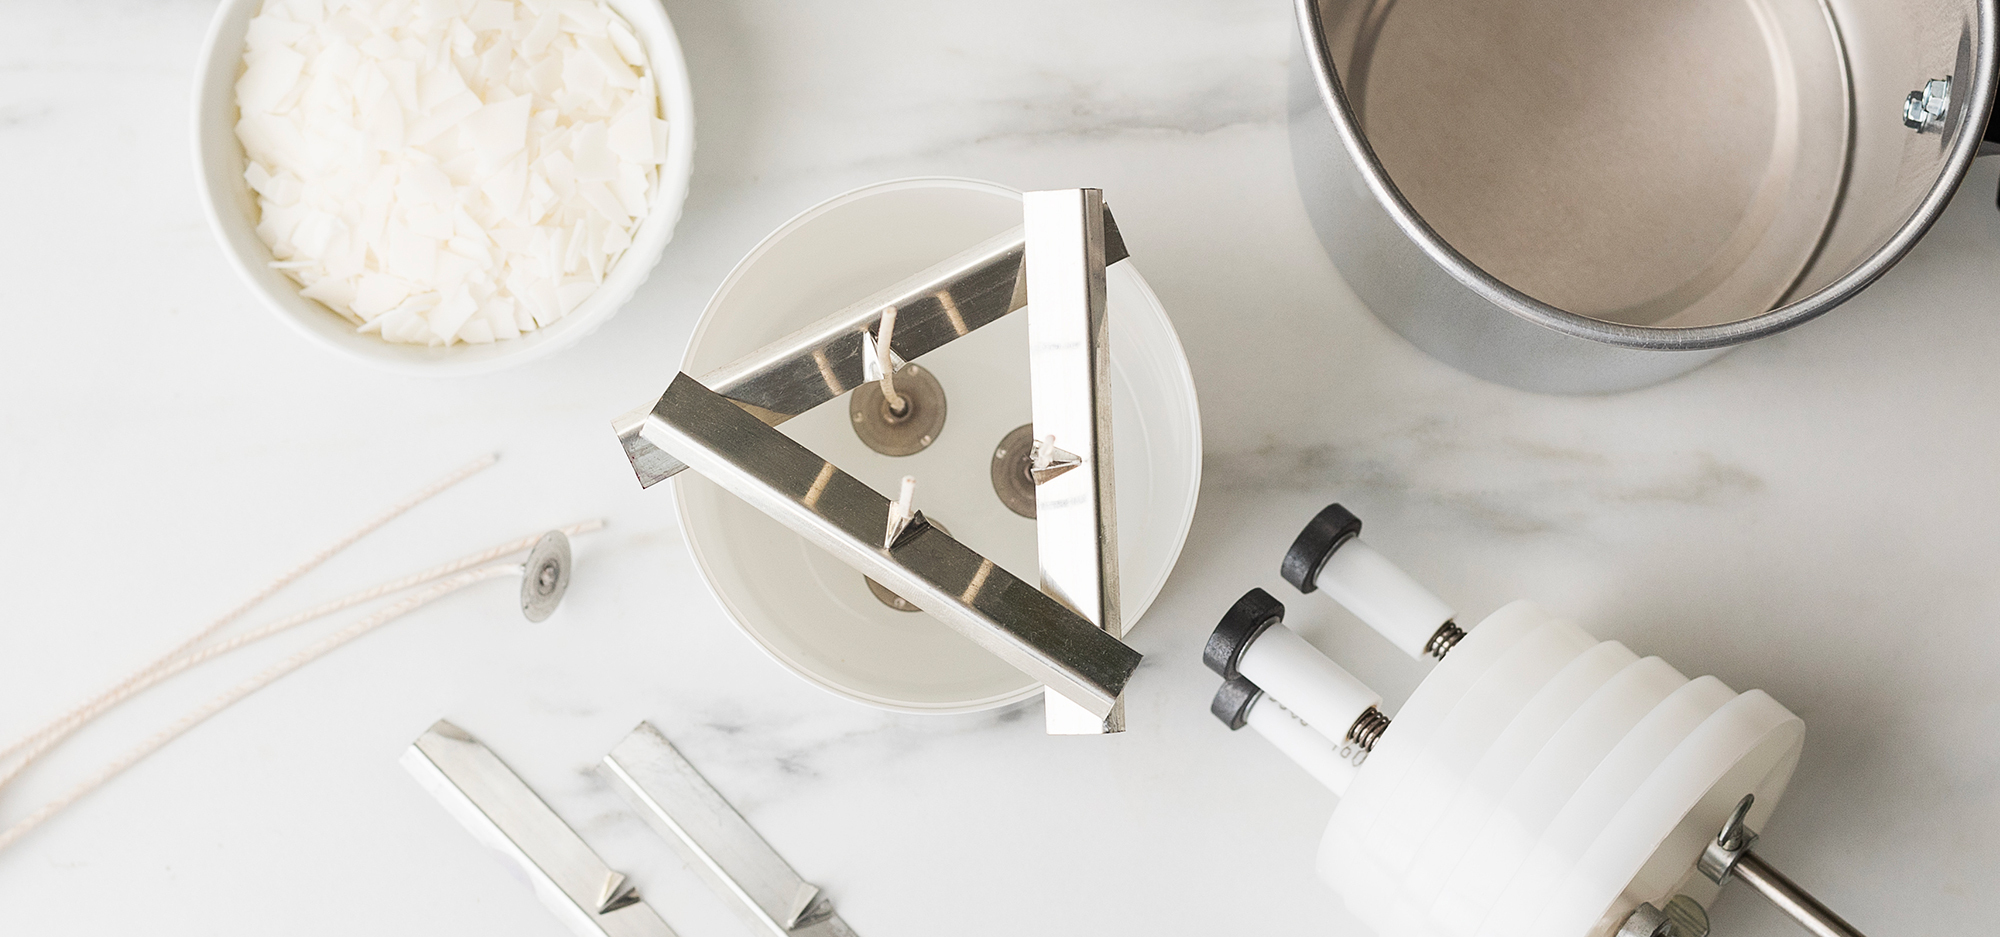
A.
pixel 1962 144
pixel 1183 374
pixel 670 75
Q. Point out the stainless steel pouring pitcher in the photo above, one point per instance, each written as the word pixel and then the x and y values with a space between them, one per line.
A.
pixel 1581 196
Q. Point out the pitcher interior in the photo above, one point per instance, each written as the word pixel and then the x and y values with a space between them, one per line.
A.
pixel 1671 163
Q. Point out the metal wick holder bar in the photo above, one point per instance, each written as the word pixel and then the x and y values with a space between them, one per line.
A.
pixel 1064 634
pixel 505 814
pixel 680 805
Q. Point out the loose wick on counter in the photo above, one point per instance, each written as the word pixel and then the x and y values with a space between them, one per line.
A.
pixel 549 553
pixel 64 723
pixel 48 737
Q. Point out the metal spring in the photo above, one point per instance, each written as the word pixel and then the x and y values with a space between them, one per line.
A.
pixel 1447 637
pixel 1367 728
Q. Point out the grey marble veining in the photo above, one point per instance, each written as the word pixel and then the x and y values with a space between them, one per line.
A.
pixel 1815 515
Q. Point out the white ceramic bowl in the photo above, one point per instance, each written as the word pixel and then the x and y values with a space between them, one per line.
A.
pixel 232 208
pixel 813 613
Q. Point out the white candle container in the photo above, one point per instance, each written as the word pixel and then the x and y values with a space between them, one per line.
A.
pixel 814 614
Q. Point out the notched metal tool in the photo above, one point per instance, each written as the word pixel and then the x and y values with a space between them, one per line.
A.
pixel 502 812
pixel 679 804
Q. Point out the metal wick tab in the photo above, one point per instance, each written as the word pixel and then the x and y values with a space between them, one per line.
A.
pixel 545 576
pixel 1012 470
pixel 890 421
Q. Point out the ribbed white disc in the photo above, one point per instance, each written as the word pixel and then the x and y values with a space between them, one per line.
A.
pixel 1427 708
pixel 1646 853
pixel 1614 782
pixel 1503 762
pixel 1463 738
pixel 1541 784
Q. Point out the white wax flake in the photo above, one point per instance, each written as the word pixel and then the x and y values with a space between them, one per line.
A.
pixel 499 130
pixel 443 171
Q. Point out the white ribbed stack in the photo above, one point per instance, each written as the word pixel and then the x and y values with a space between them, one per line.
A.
pixel 1541 782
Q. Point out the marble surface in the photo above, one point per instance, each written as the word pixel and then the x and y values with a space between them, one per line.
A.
pixel 1816 515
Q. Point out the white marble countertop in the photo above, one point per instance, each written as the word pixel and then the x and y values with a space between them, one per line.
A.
pixel 1816 515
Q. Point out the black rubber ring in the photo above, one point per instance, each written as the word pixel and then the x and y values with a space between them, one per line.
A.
pixel 1254 612
pixel 1329 529
pixel 1232 702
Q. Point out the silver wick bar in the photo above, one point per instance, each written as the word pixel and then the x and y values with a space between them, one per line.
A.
pixel 1069 374
pixel 504 814
pixel 1729 856
pixel 828 358
pixel 680 805
pixel 838 513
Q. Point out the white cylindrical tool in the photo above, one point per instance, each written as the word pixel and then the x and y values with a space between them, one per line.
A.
pixel 1253 642
pixel 1378 592
pixel 1329 555
pixel 1539 782
pixel 1331 762
pixel 1320 691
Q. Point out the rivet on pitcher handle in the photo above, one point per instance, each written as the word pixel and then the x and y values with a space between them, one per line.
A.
pixel 1923 111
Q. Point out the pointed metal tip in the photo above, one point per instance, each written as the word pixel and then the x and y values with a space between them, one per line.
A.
pixel 1062 462
pixel 1734 834
pixel 618 893
pixel 807 906
pixel 1058 460
pixel 649 463
pixel 871 358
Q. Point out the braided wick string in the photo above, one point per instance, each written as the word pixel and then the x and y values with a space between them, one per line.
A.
pixel 882 358
pixel 166 668
pixel 252 685
pixel 66 723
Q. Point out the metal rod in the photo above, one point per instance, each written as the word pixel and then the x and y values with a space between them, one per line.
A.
pixel 1791 899
pixel 838 513
pixel 817 363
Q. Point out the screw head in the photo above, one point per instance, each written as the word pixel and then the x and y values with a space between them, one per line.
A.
pixel 1687 917
pixel 1646 921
